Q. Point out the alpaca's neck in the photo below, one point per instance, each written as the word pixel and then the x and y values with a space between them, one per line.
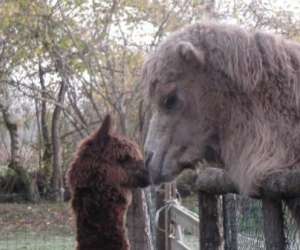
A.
pixel 101 220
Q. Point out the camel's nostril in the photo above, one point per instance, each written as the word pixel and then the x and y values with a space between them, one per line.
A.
pixel 148 157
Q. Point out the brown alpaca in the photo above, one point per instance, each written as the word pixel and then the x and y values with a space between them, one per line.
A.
pixel 104 170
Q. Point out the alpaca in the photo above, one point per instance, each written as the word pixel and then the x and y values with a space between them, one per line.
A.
pixel 106 167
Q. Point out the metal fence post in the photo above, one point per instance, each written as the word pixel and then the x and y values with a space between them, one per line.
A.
pixel 161 236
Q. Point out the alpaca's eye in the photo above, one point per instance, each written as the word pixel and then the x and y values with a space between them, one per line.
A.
pixel 170 102
pixel 124 159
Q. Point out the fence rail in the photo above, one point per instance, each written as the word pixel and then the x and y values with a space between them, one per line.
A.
pixel 251 224
pixel 182 219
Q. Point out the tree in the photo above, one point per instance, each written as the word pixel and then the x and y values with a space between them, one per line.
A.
pixel 15 163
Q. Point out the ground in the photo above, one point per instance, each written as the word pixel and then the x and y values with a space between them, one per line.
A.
pixel 44 226
pixel 49 226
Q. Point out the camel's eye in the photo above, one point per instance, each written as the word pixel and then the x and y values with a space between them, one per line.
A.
pixel 170 102
pixel 124 159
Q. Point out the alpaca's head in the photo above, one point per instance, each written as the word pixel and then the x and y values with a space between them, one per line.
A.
pixel 106 157
pixel 123 154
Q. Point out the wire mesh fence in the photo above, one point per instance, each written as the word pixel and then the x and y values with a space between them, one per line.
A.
pixel 249 222
pixel 246 225
pixel 48 226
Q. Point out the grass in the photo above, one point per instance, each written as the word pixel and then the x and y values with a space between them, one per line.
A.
pixel 28 241
pixel 46 226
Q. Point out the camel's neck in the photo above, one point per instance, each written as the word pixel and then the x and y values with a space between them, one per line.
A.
pixel 101 220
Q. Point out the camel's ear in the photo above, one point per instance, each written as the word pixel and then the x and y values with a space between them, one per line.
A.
pixel 103 132
pixel 190 53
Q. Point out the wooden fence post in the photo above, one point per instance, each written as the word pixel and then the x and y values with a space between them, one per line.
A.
pixel 209 226
pixel 273 224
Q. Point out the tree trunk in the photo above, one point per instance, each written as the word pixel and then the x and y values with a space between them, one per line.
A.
pixel 57 175
pixel 30 188
pixel 138 222
pixel 57 178
pixel 31 192
pixel 47 154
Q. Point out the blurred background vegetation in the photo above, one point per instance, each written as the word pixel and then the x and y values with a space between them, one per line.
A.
pixel 65 64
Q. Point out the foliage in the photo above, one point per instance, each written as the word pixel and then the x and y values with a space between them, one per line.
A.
pixel 97 49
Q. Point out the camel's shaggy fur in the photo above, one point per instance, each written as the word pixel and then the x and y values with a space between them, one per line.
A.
pixel 105 168
pixel 249 81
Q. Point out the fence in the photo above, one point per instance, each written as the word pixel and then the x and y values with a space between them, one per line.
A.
pixel 184 222
pixel 185 232
pixel 244 227
pixel 50 226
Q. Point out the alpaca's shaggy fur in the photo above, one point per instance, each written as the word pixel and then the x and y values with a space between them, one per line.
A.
pixel 105 168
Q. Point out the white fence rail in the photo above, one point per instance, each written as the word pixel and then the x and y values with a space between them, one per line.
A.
pixel 182 219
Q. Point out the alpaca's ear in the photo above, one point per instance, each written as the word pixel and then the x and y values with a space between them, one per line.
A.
pixel 190 53
pixel 105 129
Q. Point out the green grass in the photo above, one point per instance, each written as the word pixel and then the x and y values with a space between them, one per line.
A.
pixel 28 241
pixel 44 226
